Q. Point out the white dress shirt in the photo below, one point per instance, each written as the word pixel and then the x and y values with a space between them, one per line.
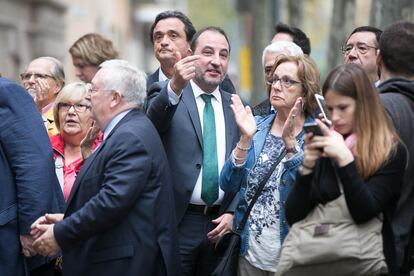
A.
pixel 220 134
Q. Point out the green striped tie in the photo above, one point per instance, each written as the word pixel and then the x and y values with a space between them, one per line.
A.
pixel 209 188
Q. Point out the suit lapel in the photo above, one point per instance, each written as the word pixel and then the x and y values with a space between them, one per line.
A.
pixel 229 122
pixel 189 101
pixel 84 170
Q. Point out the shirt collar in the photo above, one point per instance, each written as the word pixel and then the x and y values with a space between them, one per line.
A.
pixel 115 120
pixel 161 75
pixel 47 107
pixel 198 91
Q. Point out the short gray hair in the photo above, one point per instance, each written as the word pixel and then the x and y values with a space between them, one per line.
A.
pixel 57 69
pixel 122 76
pixel 280 47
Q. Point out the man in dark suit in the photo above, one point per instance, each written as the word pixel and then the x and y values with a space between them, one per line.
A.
pixel 29 187
pixel 170 35
pixel 198 130
pixel 120 216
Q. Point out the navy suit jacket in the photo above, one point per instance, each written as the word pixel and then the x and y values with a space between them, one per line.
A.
pixel 120 218
pixel 28 183
pixel 225 85
pixel 180 130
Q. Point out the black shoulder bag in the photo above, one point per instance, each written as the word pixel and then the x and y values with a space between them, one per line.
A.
pixel 228 246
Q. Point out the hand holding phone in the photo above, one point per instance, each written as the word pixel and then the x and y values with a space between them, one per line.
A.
pixel 312 128
pixel 322 108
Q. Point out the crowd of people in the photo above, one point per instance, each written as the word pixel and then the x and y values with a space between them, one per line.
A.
pixel 124 174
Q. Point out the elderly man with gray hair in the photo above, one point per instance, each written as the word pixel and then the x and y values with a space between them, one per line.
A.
pixel 43 78
pixel 120 217
pixel 270 53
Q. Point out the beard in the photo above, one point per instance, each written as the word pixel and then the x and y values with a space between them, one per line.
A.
pixel 205 82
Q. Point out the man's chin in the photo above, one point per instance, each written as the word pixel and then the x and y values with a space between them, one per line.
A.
pixel 166 57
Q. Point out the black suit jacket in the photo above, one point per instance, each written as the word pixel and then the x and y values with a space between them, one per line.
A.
pixel 120 218
pixel 28 183
pixel 180 129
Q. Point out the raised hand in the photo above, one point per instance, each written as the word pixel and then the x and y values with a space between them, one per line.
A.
pixel 87 142
pixel 41 89
pixel 243 116
pixel 184 71
pixel 293 122
pixel 310 153
pixel 333 145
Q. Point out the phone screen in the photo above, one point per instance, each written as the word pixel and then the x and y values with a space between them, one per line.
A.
pixel 322 108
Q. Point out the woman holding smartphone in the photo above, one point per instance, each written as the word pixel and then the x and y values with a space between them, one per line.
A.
pixel 263 141
pixel 362 149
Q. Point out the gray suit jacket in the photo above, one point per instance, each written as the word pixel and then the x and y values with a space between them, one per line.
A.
pixel 180 130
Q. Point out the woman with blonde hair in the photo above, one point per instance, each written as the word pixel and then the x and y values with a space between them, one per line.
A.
pixel 361 151
pixel 73 117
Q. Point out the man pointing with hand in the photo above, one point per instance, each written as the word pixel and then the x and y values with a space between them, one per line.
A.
pixel 194 119
pixel 170 33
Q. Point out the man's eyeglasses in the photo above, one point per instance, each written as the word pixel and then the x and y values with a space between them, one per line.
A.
pixel 362 48
pixel 28 76
pixel 93 90
pixel 78 107
pixel 284 81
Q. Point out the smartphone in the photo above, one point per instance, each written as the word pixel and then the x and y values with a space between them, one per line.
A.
pixel 322 108
pixel 312 127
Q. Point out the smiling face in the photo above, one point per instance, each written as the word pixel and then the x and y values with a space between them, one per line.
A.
pixel 281 97
pixel 212 65
pixel 341 111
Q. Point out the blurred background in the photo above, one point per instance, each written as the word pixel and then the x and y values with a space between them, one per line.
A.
pixel 33 28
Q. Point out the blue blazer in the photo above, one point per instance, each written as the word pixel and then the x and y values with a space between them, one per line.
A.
pixel 235 178
pixel 180 130
pixel 28 183
pixel 120 218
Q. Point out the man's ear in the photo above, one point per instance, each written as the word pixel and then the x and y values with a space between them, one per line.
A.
pixel 116 98
pixel 58 86
pixel 189 51
pixel 378 60
pixel 379 63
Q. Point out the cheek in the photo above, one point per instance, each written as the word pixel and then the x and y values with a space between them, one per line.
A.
pixel 61 118
pixel 86 119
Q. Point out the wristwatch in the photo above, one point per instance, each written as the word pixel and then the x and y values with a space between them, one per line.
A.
pixel 293 150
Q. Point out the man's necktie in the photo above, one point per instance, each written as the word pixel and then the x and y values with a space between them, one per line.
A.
pixel 209 187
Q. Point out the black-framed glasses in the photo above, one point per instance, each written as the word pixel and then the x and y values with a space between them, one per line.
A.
pixel 362 48
pixel 285 81
pixel 28 76
pixel 78 107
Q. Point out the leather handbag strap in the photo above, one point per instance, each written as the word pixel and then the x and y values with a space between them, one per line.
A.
pixel 259 191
